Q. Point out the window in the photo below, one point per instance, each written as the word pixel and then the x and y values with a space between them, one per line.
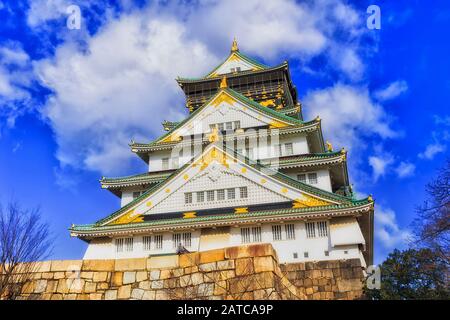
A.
pixel 119 245
pixel 221 127
pixel 276 233
pixel 243 192
pixel 322 229
pixel 232 69
pixel 310 229
pixel 147 241
pixel 289 149
pixel 327 253
pixel 221 194
pixel 312 177
pixel 165 163
pixel 295 255
pixel 200 196
pixel 306 254
pixel 136 194
pixel 238 69
pixel 245 235
pixel 256 234
pixel 290 231
pixel 158 241
pixel 188 197
pixel 210 195
pixel 231 194
pixel 278 150
pixel 301 177
pixel 187 239
pixel 229 125
pixel 212 126
pixel 128 244
pixel 237 125
pixel 176 239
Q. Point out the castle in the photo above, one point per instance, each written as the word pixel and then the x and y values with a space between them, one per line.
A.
pixel 243 168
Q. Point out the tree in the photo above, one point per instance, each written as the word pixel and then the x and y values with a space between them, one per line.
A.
pixel 412 274
pixel 432 225
pixel 24 240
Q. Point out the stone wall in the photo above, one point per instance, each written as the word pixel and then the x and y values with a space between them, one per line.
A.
pixel 245 272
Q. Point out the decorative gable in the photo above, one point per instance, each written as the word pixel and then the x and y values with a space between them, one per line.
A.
pixel 216 169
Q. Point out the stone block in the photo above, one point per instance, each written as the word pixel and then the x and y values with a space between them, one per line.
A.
pixel 244 266
pixel 42 266
pixel 111 295
pixel 59 275
pixel 47 275
pixel 56 296
pixel 144 285
pixel 149 295
pixel 205 289
pixel 124 292
pixel 212 256
pixel 86 275
pixel 100 276
pixel 154 274
pixel 129 277
pixel 189 259
pixel 98 265
pixel 256 250
pixel 191 279
pixel 70 296
pixel 137 294
pixel 220 288
pixel 157 284
pixel 66 265
pixel 40 286
pixel 52 285
pixel 161 262
pixel 116 279
pixel 165 274
pixel 90 287
pixel 225 264
pixel 130 264
pixel 208 267
pixel 141 276
pixel 102 285
pixel 262 264
pixel 95 296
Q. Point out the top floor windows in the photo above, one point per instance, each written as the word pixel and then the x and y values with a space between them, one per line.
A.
pixel 226 126
pixel 165 163
pixel 236 69
pixel 310 178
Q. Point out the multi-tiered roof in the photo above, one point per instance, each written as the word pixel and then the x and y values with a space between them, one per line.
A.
pixel 270 93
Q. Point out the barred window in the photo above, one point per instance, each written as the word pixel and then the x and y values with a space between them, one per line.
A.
pixel 158 241
pixel 237 125
pixel 212 126
pixel 243 192
pixel 256 234
pixel 290 231
pixel 229 125
pixel 301 177
pixel 187 239
pixel 322 229
pixel 250 154
pixel 312 177
pixel 128 244
pixel 119 245
pixel 310 229
pixel 231 194
pixel 147 241
pixel 245 235
pixel 200 196
pixel 276 233
pixel 165 163
pixel 221 194
pixel 289 149
pixel 210 195
pixel 188 197
pixel 176 239
pixel 221 127
pixel 136 194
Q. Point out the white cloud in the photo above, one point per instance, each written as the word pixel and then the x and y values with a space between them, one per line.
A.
pixel 387 229
pixel 41 11
pixel 348 113
pixel 405 169
pixel 120 84
pixel 380 165
pixel 432 150
pixel 392 91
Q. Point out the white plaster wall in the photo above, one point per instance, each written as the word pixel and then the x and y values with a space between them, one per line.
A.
pixel 285 249
pixel 226 67
pixel 323 178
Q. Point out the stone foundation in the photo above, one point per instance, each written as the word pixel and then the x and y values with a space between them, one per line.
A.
pixel 246 272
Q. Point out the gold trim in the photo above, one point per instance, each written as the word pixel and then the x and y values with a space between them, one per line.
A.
pixel 241 210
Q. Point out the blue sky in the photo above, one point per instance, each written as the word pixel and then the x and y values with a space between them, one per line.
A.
pixel 71 100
